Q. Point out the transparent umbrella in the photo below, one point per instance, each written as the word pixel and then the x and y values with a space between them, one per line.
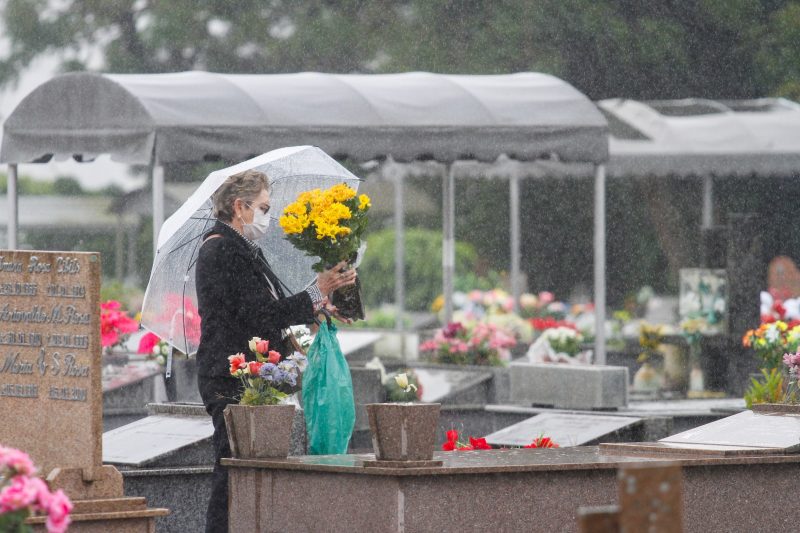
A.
pixel 170 301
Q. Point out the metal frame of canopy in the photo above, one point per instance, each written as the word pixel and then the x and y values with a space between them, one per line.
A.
pixel 410 116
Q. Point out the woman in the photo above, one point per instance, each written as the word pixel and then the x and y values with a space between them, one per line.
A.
pixel 239 298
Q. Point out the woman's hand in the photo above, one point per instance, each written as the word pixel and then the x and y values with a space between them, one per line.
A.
pixel 334 312
pixel 335 278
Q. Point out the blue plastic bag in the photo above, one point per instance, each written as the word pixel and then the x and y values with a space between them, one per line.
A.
pixel 330 410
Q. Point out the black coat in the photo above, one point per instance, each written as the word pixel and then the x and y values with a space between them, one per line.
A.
pixel 235 302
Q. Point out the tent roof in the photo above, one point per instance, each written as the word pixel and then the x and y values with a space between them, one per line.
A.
pixel 697 137
pixel 190 116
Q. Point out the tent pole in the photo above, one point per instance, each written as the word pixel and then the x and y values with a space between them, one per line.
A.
pixel 448 239
pixel 600 265
pixel 13 211
pixel 399 246
pixel 708 201
pixel 513 191
pixel 157 179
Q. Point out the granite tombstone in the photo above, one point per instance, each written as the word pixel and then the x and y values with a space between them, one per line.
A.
pixel 51 403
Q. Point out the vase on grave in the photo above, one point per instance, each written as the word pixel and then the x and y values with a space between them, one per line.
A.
pixel 403 431
pixel 648 378
pixel 259 431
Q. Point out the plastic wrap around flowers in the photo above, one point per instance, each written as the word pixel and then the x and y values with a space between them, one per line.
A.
pixel 22 494
pixel 263 377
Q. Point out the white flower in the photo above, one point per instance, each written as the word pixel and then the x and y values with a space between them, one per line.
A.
pixel 402 382
pixel 252 343
pixel 772 333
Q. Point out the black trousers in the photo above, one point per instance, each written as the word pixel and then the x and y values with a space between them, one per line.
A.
pixel 217 393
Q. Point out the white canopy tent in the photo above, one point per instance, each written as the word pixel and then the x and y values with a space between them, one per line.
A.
pixel 704 139
pixel 156 119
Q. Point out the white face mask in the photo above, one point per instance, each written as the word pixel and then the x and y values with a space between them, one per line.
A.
pixel 258 228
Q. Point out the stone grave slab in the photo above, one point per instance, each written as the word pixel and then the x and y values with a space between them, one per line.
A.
pixel 747 429
pixel 566 386
pixel 147 440
pixel 564 429
pixel 439 384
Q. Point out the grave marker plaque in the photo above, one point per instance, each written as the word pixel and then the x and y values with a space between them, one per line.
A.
pixel 50 388
pixel 565 429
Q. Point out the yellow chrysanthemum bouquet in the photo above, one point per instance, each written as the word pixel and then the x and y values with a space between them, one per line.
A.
pixel 329 224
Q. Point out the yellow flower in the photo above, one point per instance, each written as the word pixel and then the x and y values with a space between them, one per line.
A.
pixel 291 224
pixel 363 202
pixel 437 304
pixel 295 208
pixel 341 192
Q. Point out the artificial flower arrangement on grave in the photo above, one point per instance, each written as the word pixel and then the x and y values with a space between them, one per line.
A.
pixel 329 224
pixel 115 325
pixel 23 494
pixel 156 349
pixel 454 443
pixel 648 377
pixel 560 344
pixel 543 305
pixel 263 377
pixel 542 442
pixel 494 307
pixel 771 340
pixel 404 387
pixel 480 344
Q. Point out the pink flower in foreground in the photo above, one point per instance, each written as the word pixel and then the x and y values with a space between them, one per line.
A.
pixel 18 494
pixel 58 512
pixel 16 460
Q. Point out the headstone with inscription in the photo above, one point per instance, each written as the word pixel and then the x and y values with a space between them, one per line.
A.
pixel 50 374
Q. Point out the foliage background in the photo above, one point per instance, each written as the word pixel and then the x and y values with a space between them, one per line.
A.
pixel 660 49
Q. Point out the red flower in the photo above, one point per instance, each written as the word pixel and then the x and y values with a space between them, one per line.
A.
pixel 254 367
pixel 147 342
pixel 452 441
pixel 237 362
pixel 479 444
pixel 779 308
pixel 542 442
pixel 274 357
pixel 262 346
pixel 110 305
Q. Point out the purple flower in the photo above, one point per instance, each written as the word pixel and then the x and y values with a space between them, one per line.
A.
pixel 267 371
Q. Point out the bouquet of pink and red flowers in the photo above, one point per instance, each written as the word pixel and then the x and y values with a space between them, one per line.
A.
pixel 22 494
pixel 480 344
pixel 115 324
pixel 263 377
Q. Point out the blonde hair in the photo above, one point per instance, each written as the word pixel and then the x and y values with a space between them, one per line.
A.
pixel 246 185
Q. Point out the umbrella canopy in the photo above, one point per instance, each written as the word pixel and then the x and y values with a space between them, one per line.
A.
pixel 170 302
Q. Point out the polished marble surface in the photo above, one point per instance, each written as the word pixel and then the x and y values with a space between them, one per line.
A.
pixel 506 460
pixel 565 429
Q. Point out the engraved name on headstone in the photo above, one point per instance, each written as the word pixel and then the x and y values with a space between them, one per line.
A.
pixel 50 382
